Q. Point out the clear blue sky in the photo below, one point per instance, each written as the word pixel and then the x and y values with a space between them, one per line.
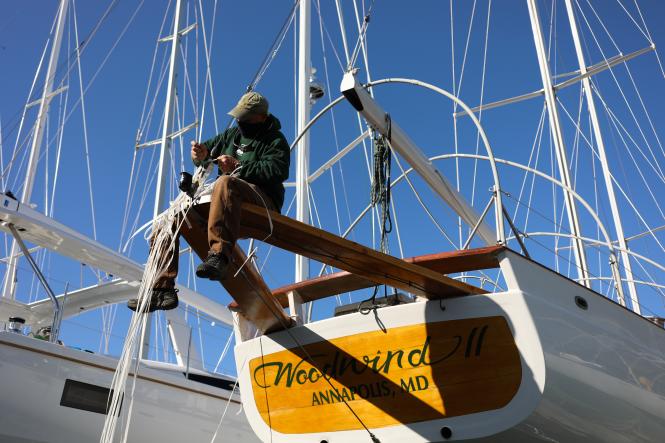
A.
pixel 405 40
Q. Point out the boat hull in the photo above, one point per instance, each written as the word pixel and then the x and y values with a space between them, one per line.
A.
pixel 35 407
pixel 588 370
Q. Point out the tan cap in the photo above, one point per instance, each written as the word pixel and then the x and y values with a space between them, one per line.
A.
pixel 250 104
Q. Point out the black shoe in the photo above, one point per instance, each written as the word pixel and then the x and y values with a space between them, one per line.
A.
pixel 213 267
pixel 168 298
pixel 154 303
pixel 162 299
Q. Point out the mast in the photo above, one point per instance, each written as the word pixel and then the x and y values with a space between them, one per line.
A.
pixel 169 113
pixel 40 125
pixel 557 135
pixel 618 226
pixel 304 107
pixel 165 146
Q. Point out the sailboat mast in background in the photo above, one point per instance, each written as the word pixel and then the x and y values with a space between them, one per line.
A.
pixel 9 287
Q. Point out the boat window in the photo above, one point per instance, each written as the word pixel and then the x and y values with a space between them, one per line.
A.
pixel 86 397
pixel 213 381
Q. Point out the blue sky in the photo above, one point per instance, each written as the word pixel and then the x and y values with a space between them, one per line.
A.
pixel 412 41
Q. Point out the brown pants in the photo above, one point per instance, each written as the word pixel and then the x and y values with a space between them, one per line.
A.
pixel 228 195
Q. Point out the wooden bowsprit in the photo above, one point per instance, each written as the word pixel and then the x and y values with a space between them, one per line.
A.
pixel 247 288
pixel 362 266
pixel 344 281
pixel 349 256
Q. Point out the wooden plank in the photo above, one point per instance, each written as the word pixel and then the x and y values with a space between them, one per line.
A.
pixel 344 254
pixel 341 282
pixel 251 293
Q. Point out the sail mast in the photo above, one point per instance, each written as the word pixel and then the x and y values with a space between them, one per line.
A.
pixel 304 107
pixel 40 125
pixel 165 146
pixel 169 113
pixel 588 92
pixel 557 135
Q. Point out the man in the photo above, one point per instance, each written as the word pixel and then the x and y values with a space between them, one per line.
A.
pixel 253 161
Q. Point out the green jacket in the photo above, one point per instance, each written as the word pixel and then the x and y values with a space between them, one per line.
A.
pixel 264 159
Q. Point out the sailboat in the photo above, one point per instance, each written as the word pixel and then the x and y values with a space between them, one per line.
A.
pixel 61 393
pixel 543 358
pixel 490 340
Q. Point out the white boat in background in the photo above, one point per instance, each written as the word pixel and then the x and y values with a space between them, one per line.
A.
pixel 61 393
pixel 504 338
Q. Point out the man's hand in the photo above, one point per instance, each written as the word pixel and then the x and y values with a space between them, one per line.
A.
pixel 199 152
pixel 227 163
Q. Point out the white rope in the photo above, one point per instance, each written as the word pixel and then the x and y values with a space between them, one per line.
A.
pixel 164 233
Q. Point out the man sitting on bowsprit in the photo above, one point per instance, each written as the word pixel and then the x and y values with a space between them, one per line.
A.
pixel 253 160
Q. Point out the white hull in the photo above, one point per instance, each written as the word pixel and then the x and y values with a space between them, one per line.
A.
pixel 167 407
pixel 588 375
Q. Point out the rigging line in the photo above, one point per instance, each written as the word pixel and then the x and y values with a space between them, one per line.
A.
pixel 85 127
pixel 422 204
pixel 362 31
pixel 637 6
pixel 196 75
pixel 619 127
pixel 362 39
pixel 208 76
pixel 154 60
pixel 147 184
pixel 466 50
pixel 145 124
pixel 106 58
pixel 571 263
pixel 658 288
pixel 25 107
pixel 342 29
pixel 323 27
pixel 274 48
pixel 228 402
pixel 602 24
pixel 646 36
pixel 482 95
pixel 334 126
pixel 593 243
pixel 187 82
pixel 224 352
pixel 535 148
pixel 616 81
pixel 271 247
pixel 83 45
pixel 639 96
pixel 62 109
pixel 614 121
